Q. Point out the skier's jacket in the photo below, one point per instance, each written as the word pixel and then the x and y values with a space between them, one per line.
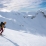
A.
pixel 2 24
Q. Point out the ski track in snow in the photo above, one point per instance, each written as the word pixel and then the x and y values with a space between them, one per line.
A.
pixel 10 41
pixel 5 42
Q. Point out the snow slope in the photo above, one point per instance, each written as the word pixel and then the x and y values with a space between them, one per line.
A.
pixel 19 38
pixel 22 30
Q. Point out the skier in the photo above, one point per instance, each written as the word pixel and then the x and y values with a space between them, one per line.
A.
pixel 2 25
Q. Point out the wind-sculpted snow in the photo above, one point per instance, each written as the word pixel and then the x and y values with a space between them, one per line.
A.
pixel 8 18
pixel 35 23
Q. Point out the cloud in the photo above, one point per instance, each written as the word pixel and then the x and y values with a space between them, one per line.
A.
pixel 18 4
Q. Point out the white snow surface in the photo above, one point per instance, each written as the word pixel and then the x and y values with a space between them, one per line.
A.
pixel 23 30
pixel 19 38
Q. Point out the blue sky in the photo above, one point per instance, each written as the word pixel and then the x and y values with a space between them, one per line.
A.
pixel 22 5
pixel 41 6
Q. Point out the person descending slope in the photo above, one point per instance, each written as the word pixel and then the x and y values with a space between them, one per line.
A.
pixel 2 25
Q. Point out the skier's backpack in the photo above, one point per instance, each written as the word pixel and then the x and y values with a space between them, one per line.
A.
pixel 2 24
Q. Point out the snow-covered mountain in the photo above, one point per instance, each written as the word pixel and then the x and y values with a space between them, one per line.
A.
pixel 33 23
pixel 21 25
